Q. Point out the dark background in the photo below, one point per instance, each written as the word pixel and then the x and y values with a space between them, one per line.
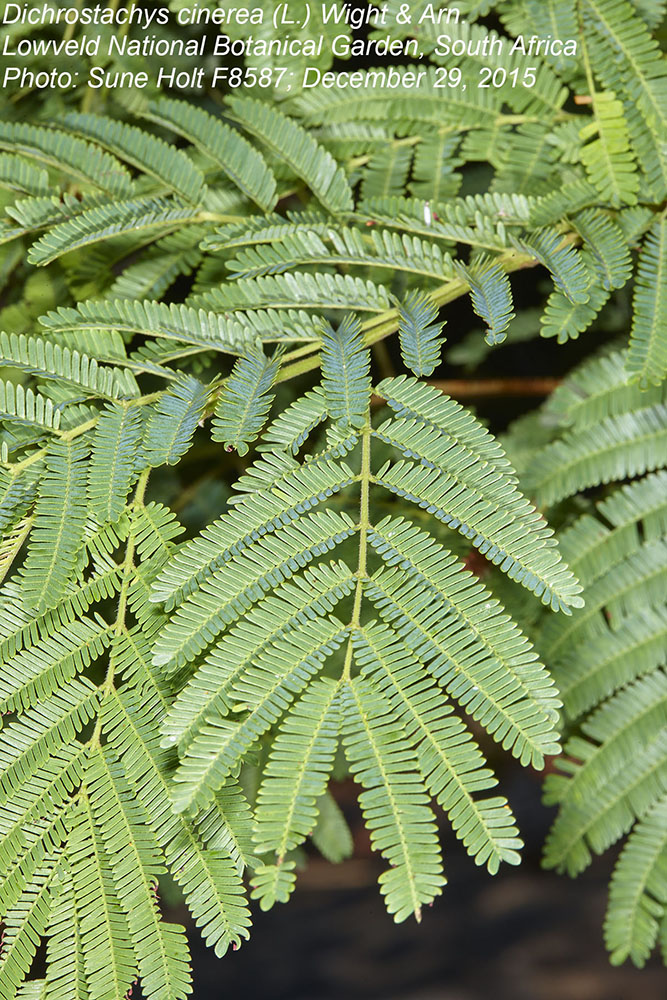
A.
pixel 525 934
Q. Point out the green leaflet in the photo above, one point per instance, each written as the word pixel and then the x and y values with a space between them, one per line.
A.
pixel 170 429
pixel 156 319
pixel 609 159
pixel 41 357
pixel 292 143
pixel 398 814
pixel 27 919
pixel 345 382
pixel 40 670
pixel 17 174
pixel 168 165
pixel 59 524
pixel 331 834
pixel 637 892
pixel 264 689
pixel 353 598
pixel 563 262
pixel 245 400
pixel 272 884
pixel 112 464
pixel 637 70
pixel 298 772
pixel 601 454
pixel 63 152
pixel 647 357
pixel 27 406
pixel 491 297
pixel 105 223
pixel 304 245
pixel 420 336
pixel 243 164
pixel 292 603
pixel 66 975
pixel 565 319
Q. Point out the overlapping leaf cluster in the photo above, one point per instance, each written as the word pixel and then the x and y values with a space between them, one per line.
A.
pixel 173 711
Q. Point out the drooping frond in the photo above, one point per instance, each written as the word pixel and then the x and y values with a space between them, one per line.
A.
pixel 170 429
pixel 419 334
pixel 62 152
pixel 240 161
pixel 106 222
pixel 638 890
pixel 66 956
pixel 60 516
pixel 298 770
pixel 622 769
pixel 609 158
pixel 491 297
pixel 609 658
pixel 273 884
pixel 292 143
pixel 260 614
pixel 394 800
pixel 647 356
pixel 168 165
pixel 245 400
pixel 209 878
pixel 449 760
pixel 345 381
pixel 113 461
pixel 601 454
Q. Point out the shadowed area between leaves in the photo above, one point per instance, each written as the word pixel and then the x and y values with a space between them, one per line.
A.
pixel 527 934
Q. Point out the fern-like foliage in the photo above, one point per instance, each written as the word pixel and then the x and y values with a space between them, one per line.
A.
pixel 420 339
pixel 284 637
pixel 172 276
pixel 245 401
pixel 87 823
pixel 609 660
